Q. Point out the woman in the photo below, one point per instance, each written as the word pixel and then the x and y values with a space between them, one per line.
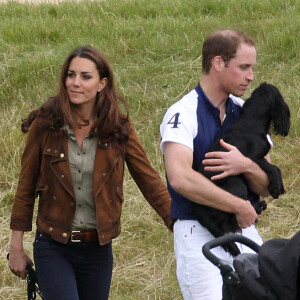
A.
pixel 73 160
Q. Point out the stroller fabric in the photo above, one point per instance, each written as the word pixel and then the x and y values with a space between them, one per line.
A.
pixel 278 262
pixel 252 285
pixel 273 274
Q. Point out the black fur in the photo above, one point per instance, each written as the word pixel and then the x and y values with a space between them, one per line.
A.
pixel 264 108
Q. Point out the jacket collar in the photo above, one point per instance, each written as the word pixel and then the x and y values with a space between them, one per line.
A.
pixel 107 155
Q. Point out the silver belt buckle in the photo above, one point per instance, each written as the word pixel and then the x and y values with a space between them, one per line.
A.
pixel 71 237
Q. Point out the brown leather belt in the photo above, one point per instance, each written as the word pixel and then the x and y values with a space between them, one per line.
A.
pixel 84 236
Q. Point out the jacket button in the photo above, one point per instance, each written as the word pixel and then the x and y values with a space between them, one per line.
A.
pixel 65 234
pixel 72 204
pixel 50 229
pixel 61 155
pixel 48 150
pixel 62 176
pixel 104 174
pixel 55 151
pixel 54 197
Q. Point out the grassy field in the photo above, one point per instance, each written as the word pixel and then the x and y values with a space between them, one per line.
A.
pixel 154 47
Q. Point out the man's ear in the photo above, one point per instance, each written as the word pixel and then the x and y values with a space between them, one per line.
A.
pixel 218 63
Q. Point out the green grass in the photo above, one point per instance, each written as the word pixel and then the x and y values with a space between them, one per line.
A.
pixel 154 47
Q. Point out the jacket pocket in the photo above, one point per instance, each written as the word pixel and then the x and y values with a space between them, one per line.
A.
pixel 40 188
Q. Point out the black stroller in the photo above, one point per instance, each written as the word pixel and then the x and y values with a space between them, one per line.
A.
pixel 272 273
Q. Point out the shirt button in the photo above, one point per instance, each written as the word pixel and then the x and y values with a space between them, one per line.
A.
pixel 79 171
pixel 79 205
pixel 50 229
pixel 78 153
pixel 79 188
pixel 81 222
pixel 65 234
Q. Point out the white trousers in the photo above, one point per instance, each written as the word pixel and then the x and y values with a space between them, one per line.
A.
pixel 198 278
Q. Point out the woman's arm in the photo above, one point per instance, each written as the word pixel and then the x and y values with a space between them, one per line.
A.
pixel 23 205
pixel 147 179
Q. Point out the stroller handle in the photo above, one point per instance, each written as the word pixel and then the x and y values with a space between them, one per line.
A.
pixel 223 240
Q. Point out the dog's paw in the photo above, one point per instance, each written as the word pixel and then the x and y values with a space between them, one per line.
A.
pixel 276 187
pixel 276 190
pixel 260 206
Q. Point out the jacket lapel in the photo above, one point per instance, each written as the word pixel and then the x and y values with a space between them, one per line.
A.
pixel 107 155
pixel 57 147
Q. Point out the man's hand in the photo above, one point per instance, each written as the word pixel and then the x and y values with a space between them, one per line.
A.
pixel 246 215
pixel 186 181
pixel 234 162
pixel 228 163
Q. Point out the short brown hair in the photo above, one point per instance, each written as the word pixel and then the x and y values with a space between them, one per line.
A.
pixel 223 43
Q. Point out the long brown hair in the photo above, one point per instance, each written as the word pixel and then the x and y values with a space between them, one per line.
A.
pixel 111 124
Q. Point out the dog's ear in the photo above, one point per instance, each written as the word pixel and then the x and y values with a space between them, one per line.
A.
pixel 280 114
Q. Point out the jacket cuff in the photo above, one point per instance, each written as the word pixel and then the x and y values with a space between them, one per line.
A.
pixel 20 226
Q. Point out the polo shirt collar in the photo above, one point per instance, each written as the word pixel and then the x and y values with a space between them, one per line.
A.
pixel 204 98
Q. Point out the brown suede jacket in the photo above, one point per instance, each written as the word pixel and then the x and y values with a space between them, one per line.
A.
pixel 45 172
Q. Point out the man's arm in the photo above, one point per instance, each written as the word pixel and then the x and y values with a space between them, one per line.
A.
pixel 194 186
pixel 234 162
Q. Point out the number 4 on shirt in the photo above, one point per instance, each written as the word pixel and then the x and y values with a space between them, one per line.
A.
pixel 174 120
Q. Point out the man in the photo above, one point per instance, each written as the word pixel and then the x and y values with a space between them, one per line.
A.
pixel 188 130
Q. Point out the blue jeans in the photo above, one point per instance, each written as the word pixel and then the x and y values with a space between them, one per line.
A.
pixel 75 271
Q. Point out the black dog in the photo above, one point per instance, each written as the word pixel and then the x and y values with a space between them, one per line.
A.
pixel 266 106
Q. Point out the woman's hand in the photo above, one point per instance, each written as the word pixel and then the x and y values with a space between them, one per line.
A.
pixel 18 258
pixel 18 261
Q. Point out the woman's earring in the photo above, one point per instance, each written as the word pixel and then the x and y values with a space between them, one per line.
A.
pixel 99 91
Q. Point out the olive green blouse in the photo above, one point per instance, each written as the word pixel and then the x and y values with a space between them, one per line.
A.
pixel 82 169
